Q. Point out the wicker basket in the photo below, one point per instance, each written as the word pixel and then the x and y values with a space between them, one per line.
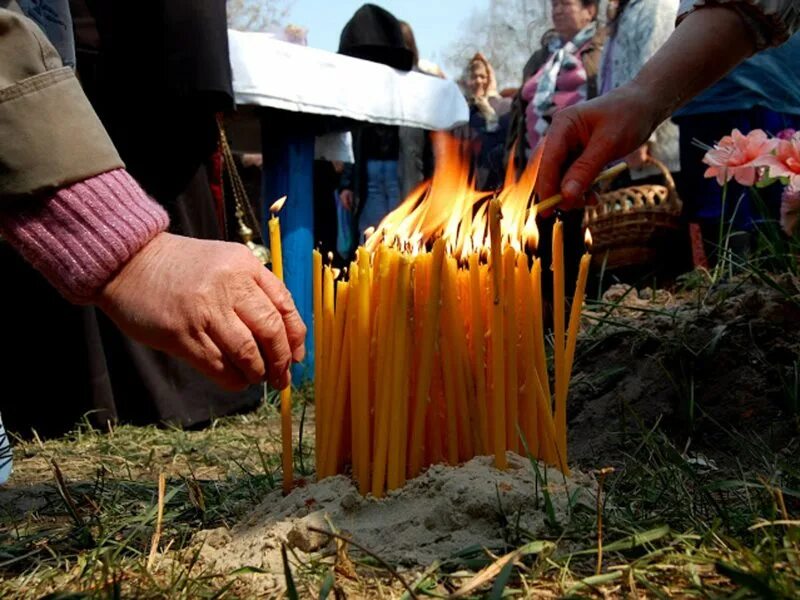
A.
pixel 630 224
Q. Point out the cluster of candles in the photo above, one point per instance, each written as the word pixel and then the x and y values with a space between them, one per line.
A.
pixel 430 347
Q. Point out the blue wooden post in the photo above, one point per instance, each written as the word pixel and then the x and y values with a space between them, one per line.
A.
pixel 289 170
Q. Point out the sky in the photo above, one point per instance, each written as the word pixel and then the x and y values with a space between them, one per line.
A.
pixel 435 22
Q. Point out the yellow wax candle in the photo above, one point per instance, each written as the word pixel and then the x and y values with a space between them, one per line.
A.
pixel 510 336
pixel 427 348
pixel 479 349
pixel 336 422
pixel 547 444
pixel 287 459
pixel 435 454
pixel 449 370
pixel 464 391
pixel 398 432
pixel 498 370
pixel 387 275
pixel 319 351
pixel 529 409
pixel 356 366
pixel 325 388
pixel 559 340
pixel 361 375
pixel 575 313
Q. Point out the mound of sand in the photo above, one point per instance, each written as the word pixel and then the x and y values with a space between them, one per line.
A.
pixel 444 511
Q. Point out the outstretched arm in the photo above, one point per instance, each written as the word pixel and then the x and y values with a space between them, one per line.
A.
pixel 707 44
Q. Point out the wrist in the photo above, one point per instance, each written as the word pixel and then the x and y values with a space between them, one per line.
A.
pixel 80 236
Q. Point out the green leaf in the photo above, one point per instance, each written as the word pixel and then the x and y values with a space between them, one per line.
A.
pixel 291 588
pixel 327 586
pixel 595 580
pixel 501 582
pixel 629 543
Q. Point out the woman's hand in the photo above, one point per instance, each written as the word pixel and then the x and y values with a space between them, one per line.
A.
pixel 588 136
pixel 212 304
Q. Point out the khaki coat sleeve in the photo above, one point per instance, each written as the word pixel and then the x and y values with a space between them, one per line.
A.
pixel 51 136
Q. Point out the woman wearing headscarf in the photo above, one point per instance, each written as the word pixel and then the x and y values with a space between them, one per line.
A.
pixel 488 121
pixel 563 72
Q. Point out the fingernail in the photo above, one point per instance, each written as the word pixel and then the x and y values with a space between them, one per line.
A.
pixel 299 354
pixel 572 189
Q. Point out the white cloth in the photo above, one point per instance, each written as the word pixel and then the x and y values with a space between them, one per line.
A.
pixel 271 73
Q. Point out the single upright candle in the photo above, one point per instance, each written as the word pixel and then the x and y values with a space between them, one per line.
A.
pixel 498 369
pixel 510 337
pixel 286 394
pixel 559 340
pixel 427 349
pixel 577 305
pixel 479 347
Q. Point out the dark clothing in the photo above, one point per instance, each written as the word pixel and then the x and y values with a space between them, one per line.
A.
pixel 487 141
pixel 156 73
pixel 374 34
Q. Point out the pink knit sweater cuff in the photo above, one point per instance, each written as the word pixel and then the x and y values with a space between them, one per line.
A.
pixel 79 237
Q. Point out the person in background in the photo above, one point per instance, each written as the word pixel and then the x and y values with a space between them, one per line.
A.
pixel 710 40
pixel 416 150
pixel 761 93
pixel 488 121
pixel 636 30
pixel 71 208
pixel 371 187
pixel 561 73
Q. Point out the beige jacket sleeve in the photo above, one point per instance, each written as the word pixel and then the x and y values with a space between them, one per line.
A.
pixel 51 136
pixel 772 21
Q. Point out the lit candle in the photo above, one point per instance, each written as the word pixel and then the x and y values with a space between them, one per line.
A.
pixel 478 330
pixel 335 423
pixel 529 422
pixel 387 275
pixel 547 444
pixel 498 374
pixel 430 330
pixel 360 374
pixel 449 370
pixel 577 304
pixel 286 394
pixel 324 389
pixel 559 338
pixel 510 337
pixel 398 405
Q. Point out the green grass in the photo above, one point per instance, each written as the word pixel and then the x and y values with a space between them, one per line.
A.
pixel 672 526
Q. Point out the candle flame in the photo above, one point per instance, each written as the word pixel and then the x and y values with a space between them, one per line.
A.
pixel 336 273
pixel 330 256
pixel 277 205
pixel 587 239
pixel 448 206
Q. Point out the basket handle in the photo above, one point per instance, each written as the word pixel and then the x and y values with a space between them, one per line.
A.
pixel 665 172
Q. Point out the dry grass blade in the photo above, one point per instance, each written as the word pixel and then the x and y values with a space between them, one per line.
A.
pixel 162 486
pixel 493 570
pixel 383 563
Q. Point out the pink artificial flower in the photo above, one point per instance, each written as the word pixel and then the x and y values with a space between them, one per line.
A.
pixel 786 161
pixel 786 134
pixel 739 156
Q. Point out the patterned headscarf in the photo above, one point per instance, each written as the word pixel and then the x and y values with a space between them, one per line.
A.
pixel 559 83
